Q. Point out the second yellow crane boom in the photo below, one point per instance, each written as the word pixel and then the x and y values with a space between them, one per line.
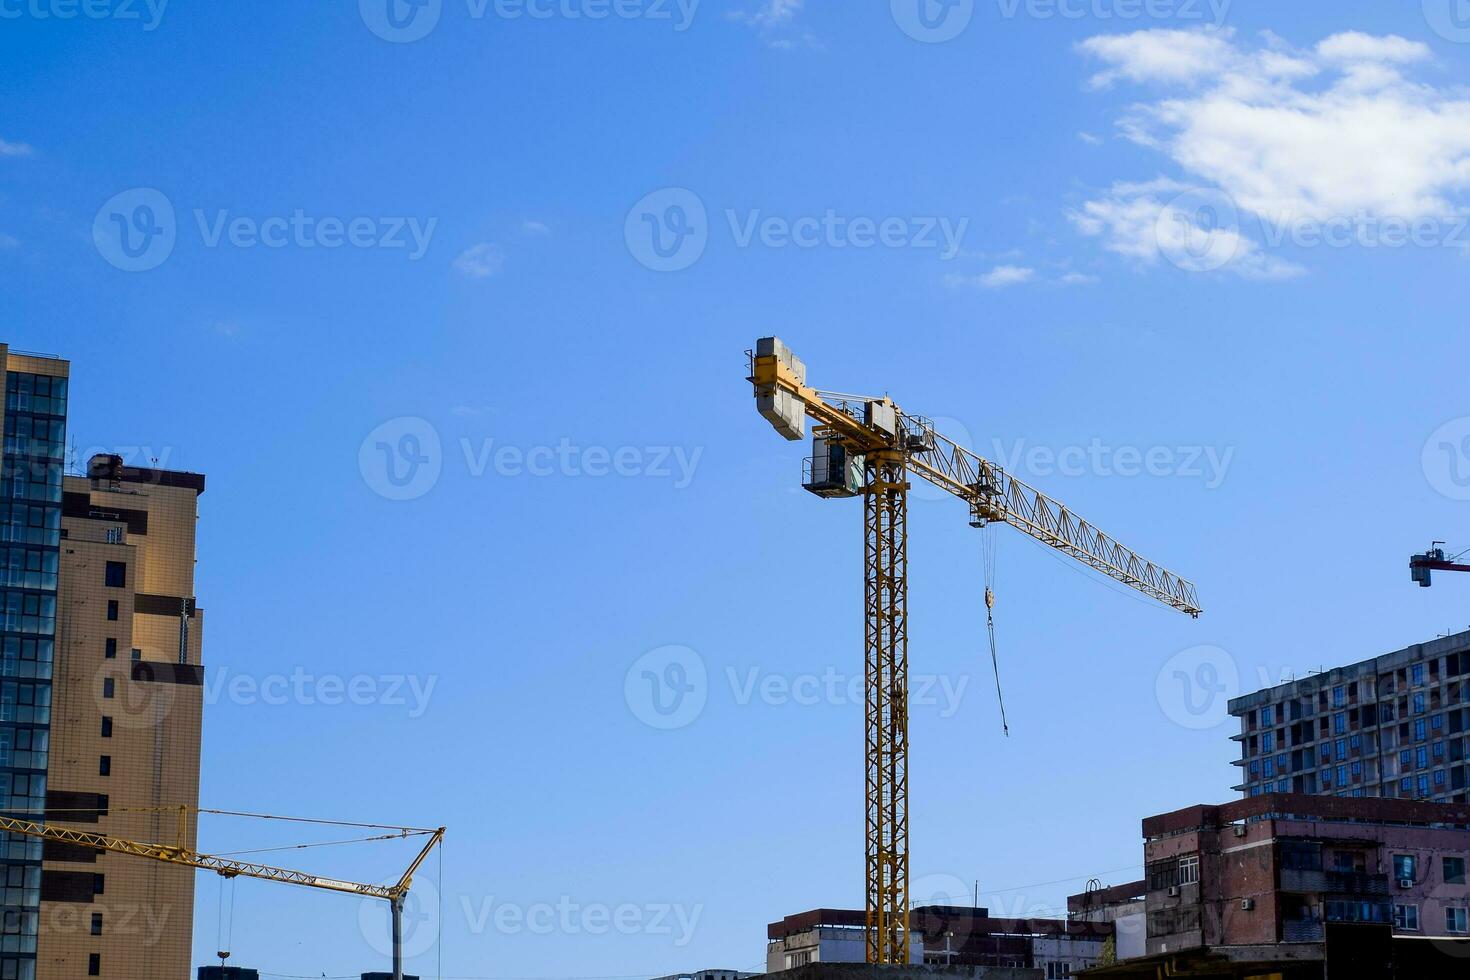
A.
pixel 178 854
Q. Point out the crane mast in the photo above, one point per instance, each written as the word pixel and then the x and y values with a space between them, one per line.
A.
pixel 868 447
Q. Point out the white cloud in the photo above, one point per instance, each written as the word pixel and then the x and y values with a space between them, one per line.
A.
pixel 8 149
pixel 1089 139
pixel 537 228
pixel 998 278
pixel 1160 55
pixel 480 261
pixel 1193 228
pixel 770 13
pixel 775 20
pixel 1355 46
pixel 1287 135
pixel 1078 279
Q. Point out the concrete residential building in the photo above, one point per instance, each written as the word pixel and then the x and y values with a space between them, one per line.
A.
pixel 1283 884
pixel 701 975
pixel 942 936
pixel 824 936
pixel 101 700
pixel 1395 726
pixel 1125 906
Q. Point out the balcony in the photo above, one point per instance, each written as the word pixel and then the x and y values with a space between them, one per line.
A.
pixel 1300 882
pixel 1302 931
pixel 1355 883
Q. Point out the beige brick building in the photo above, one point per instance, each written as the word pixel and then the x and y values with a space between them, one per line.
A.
pixel 100 700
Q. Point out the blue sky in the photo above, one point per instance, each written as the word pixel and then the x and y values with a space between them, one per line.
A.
pixel 1195 270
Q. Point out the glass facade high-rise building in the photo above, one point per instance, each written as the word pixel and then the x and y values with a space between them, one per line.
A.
pixel 30 537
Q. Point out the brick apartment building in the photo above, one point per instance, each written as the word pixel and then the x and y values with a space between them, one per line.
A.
pixel 1277 885
pixel 1394 727
pixel 101 699
pixel 942 935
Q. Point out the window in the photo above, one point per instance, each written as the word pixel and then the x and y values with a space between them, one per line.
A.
pixel 1423 785
pixel 1339 724
pixel 1271 767
pixel 106 727
pixel 1189 870
pixel 94 965
pixel 1267 718
pixel 1454 871
pixel 104 767
pixel 96 923
pixel 1406 917
pixel 1405 867
pixel 1418 673
pixel 109 687
pixel 117 575
pixel 1419 733
pixel 99 884
pixel 1337 696
pixel 137 655
pixel 1268 742
pixel 1455 921
pixel 1419 703
pixel 111 651
pixel 112 610
pixel 1341 746
pixel 1421 757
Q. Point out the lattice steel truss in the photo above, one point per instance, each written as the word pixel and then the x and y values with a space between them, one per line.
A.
pixel 885 512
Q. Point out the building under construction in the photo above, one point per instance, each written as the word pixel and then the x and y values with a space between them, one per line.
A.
pixel 1395 726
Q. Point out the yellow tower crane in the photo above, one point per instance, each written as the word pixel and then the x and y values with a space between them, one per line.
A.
pixel 868 447
pixel 178 854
